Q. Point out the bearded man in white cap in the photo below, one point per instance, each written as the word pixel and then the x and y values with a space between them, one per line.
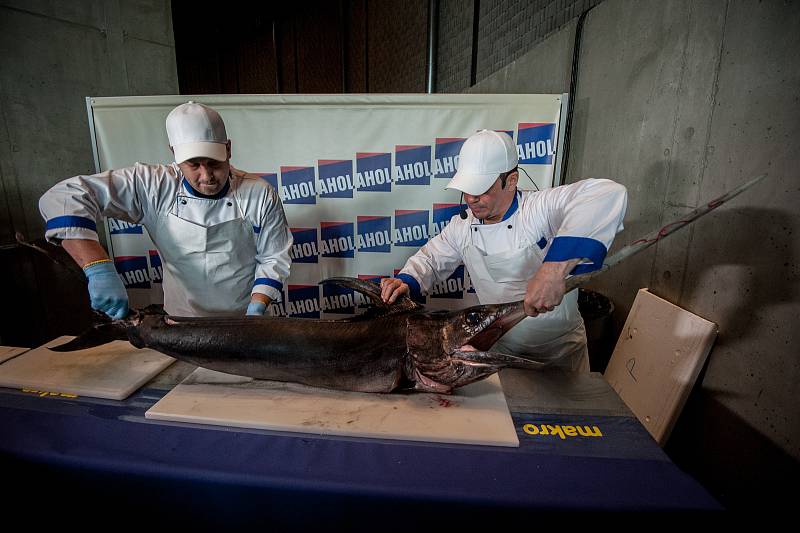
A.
pixel 221 233
pixel 520 245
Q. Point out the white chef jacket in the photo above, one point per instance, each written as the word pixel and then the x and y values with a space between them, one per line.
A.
pixel 572 221
pixel 148 194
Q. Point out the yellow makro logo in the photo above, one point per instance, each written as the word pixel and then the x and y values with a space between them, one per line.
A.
pixel 562 431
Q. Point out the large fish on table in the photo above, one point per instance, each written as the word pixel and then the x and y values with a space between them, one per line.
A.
pixel 390 347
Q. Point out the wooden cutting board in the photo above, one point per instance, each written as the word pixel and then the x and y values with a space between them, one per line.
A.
pixel 112 371
pixel 9 352
pixel 475 414
pixel 658 356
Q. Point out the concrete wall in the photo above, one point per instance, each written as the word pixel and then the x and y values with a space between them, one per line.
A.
pixel 682 101
pixel 54 54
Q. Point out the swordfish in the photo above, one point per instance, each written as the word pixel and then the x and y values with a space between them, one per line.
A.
pixel 399 346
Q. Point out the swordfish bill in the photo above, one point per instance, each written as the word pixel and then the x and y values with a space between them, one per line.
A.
pixel 516 313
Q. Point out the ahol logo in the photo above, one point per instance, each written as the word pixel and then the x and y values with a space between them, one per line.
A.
pixel 452 287
pixel 536 143
pixel 298 185
pixel 277 308
pixel 303 301
pixel 373 171
pixel 133 271
pixel 442 213
pixel 336 239
pixel 335 178
pixel 118 227
pixel 445 158
pixel 271 178
pixel 304 246
pixel 373 234
pixel 338 299
pixel 156 270
pixel 410 227
pixel 412 165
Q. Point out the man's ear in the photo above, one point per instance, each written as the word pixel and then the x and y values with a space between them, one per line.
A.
pixel 512 179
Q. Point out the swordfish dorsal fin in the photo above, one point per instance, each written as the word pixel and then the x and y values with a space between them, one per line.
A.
pixel 372 290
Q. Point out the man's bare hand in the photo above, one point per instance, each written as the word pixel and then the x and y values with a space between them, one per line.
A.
pixel 392 289
pixel 546 288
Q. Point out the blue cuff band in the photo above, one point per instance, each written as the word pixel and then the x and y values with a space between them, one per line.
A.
pixel 566 248
pixel 412 284
pixel 71 221
pixel 270 282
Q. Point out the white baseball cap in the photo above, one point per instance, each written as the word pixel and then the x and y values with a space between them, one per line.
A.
pixel 196 130
pixel 483 157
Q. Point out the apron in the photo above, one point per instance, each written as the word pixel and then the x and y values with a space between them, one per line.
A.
pixel 557 337
pixel 208 270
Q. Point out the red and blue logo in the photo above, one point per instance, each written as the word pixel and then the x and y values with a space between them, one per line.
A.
pixel 336 239
pixel 303 301
pixel 120 227
pixel 271 178
pixel 445 158
pixel 156 270
pixel 442 213
pixel 410 227
pixel 412 165
pixel 536 143
pixel 452 287
pixel 337 299
pixel 373 234
pixel 304 245
pixel 298 185
pixel 132 271
pixel 373 172
pixel 335 178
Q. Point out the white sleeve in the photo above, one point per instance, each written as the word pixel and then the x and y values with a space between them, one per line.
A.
pixel 273 242
pixel 434 262
pixel 582 219
pixel 71 208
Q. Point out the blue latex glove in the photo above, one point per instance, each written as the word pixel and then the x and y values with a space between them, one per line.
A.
pixel 256 308
pixel 106 291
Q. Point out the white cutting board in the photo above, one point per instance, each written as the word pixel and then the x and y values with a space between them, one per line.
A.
pixel 475 414
pixel 8 352
pixel 112 371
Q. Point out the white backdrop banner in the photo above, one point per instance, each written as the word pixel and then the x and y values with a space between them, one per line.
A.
pixel 361 178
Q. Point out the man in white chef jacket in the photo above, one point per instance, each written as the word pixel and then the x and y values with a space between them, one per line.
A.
pixel 221 233
pixel 520 245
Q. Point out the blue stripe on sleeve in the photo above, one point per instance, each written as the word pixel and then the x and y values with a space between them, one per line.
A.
pixel 412 284
pixel 566 248
pixel 270 282
pixel 71 221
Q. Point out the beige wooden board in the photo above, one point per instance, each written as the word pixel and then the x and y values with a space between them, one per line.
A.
pixel 112 371
pixel 9 352
pixel 658 356
pixel 475 414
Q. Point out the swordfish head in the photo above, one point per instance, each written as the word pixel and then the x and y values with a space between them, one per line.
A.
pixel 451 349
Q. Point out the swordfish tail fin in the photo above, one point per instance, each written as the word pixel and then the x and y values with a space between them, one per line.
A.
pixel 105 331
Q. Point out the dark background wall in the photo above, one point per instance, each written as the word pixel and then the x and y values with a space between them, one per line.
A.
pixel 679 100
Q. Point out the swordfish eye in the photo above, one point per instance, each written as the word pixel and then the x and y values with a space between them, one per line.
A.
pixel 473 318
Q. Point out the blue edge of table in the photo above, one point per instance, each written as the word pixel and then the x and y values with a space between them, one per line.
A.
pixel 82 457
